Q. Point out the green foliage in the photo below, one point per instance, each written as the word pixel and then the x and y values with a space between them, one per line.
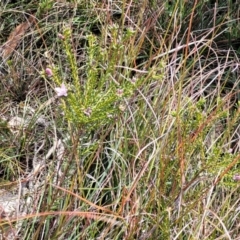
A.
pixel 44 6
pixel 97 99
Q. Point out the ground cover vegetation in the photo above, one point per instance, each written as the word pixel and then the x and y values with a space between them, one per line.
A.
pixel 119 119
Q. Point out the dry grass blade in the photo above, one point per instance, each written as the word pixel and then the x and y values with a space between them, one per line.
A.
pixel 15 37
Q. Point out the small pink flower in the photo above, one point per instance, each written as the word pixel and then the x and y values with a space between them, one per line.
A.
pixel 62 91
pixel 133 80
pixel 49 72
pixel 60 36
pixel 119 92
pixel 236 177
pixel 88 112
pixel 230 150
